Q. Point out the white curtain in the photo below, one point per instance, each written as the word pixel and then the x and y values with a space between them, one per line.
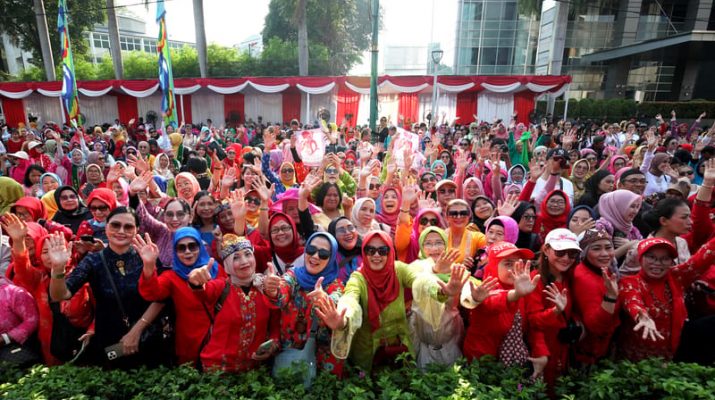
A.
pixel 495 105
pixel 329 101
pixel 388 106
pixel 446 103
pixel 363 115
pixel 205 105
pixel 150 103
pixel 46 108
pixel 268 106
pixel 98 110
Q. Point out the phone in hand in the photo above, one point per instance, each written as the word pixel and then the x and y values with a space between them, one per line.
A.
pixel 265 347
pixel 114 351
pixel 87 238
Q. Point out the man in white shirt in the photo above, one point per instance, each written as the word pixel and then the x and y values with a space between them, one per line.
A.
pixel 557 161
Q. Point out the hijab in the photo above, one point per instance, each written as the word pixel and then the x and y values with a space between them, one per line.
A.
pixel 180 268
pixel 34 206
pixel 413 249
pixel 163 172
pixel 51 175
pixel 290 253
pixel 277 157
pixel 611 165
pixel 106 196
pixel 434 165
pixel 524 240
pixel 48 199
pixel 479 222
pixel 290 182
pixel 510 179
pixel 305 279
pixel 591 192
pixel 195 187
pixel 614 206
pixel 348 260
pixel 383 286
pixel 70 218
pixel 10 192
pixel 386 218
pixel 658 159
pixel 101 173
pixel 477 182
pixel 358 204
pixel 546 222
pixel 511 227
pixel 423 237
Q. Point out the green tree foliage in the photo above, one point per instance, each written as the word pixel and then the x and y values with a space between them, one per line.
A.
pixel 17 19
pixel 341 27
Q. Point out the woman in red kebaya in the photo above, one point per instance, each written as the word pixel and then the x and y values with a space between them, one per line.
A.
pixel 654 299
pixel 192 321
pixel 245 319
pixel 498 325
pixel 549 305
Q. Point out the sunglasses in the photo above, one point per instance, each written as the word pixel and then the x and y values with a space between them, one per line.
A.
pixel 98 208
pixel 253 200
pixel 117 226
pixel 331 171
pixel 322 253
pixel 345 230
pixel 429 221
pixel 172 215
pixel 456 214
pixel 429 179
pixel 382 250
pixel 686 173
pixel 446 191
pixel 568 253
pixel 529 217
pixel 68 197
pixel 183 247
pixel 374 186
pixel 287 171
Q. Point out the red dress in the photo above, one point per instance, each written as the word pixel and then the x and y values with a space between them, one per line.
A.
pixel 78 309
pixel 192 322
pixel 245 321
pixel 664 301
pixel 297 317
pixel 587 290
pixel 543 316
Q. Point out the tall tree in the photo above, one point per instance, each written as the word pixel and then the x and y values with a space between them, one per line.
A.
pixel 343 27
pixel 300 22
pixel 18 21
pixel 114 47
pixel 201 37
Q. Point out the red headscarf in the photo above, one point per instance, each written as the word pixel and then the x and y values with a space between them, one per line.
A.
pixel 383 216
pixel 383 286
pixel 34 206
pixel 104 195
pixel 238 149
pixel 294 250
pixel 546 222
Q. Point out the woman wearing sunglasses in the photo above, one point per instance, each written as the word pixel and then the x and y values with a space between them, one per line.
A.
pixel 101 202
pixel 297 294
pixel 369 323
pixel 349 255
pixel 192 322
pixel 71 211
pixel 408 230
pixel 466 241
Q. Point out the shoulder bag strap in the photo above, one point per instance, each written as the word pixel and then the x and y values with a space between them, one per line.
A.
pixel 125 318
pixel 217 308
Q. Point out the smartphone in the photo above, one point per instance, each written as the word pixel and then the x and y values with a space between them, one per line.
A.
pixel 265 347
pixel 87 238
pixel 114 351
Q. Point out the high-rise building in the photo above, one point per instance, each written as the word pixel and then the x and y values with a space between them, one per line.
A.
pixel 638 49
pixel 495 37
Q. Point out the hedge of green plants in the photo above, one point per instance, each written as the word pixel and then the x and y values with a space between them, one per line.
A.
pixel 652 379
pixel 619 109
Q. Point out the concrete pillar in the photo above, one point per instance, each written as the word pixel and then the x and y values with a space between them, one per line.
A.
pixel 627 22
pixel 687 84
pixel 698 15
pixel 616 78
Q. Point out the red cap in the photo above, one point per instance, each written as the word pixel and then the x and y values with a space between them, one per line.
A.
pixel 506 249
pixel 648 244
pixel 687 146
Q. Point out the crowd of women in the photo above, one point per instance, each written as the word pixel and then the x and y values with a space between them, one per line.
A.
pixel 550 247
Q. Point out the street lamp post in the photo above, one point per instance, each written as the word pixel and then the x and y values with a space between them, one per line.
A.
pixel 436 58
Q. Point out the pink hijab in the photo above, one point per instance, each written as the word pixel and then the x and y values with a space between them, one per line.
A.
pixel 613 207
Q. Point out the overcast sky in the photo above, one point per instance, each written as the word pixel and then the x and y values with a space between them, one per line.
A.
pixel 228 22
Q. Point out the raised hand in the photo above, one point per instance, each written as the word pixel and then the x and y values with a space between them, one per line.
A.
pixel 318 292
pixel 703 115
pixel 536 169
pixel 229 177
pixel 410 194
pixel 583 226
pixel 347 202
pixel 141 182
pixel 328 313
pixel 709 173
pixel 425 201
pixel 652 140
pixel 138 163
pixel 645 323
pixel 263 191
pixel 269 138
pixel 238 205
pixel 201 276
pixel 457 278
pixel 509 205
pixel 672 114
pixel 147 250
pixel 272 282
pixel 486 289
pixel 15 228
pixel 461 160
pixel 446 259
pixel 559 299
pixel 539 364
pixel 610 280
pixel 114 173
pixel 568 138
pixel 60 253
pixel 523 282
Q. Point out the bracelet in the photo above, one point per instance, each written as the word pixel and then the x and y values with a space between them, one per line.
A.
pixel 144 320
pixel 608 299
pixel 405 211
pixel 6 338
pixel 58 276
pixel 263 209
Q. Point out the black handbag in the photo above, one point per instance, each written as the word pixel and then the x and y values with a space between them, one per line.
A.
pixel 19 355
pixel 64 341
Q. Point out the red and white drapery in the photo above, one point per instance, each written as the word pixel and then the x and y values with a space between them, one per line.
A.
pixel 406 98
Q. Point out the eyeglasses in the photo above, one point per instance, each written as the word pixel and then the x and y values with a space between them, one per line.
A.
pixel 429 221
pixel 446 191
pixel 444 157
pixel 183 247
pixel 374 186
pixel 322 253
pixel 458 214
pixel 68 197
pixel 349 162
pixel 529 217
pixel 382 250
pixel 174 215
pixel 98 208
pixel 429 179
pixel 117 226
pixel 654 260
pixel 254 200
pixel 556 202
pixel 287 171
pixel 281 229
pixel 686 173
pixel 433 244
pixel 331 171
pixel 634 181
pixel 568 253
pixel 345 230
